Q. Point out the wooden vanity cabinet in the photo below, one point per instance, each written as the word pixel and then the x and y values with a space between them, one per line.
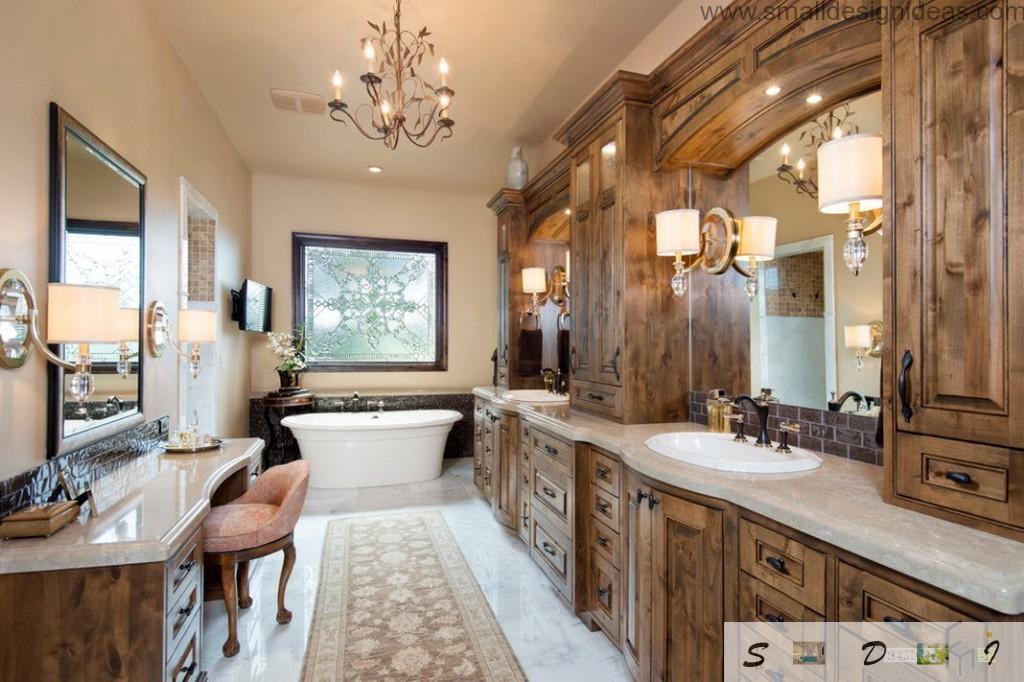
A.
pixel 955 359
pixel 478 444
pixel 505 458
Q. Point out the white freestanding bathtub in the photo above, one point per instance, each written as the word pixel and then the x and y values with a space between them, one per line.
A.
pixel 357 449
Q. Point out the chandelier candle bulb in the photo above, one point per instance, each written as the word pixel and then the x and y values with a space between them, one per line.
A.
pixel 800 166
pixel 443 68
pixel 785 154
pixel 336 82
pixel 371 56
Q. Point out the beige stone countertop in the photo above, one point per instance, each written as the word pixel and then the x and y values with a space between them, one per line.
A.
pixel 839 503
pixel 148 508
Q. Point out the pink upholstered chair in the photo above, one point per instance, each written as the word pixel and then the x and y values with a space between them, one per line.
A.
pixel 258 523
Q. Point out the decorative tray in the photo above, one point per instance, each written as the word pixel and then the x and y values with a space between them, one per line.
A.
pixel 177 449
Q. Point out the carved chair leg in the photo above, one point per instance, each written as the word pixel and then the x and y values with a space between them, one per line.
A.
pixel 284 615
pixel 244 599
pixel 227 581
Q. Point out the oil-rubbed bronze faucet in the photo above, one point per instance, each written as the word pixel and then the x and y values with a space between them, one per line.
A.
pixel 761 405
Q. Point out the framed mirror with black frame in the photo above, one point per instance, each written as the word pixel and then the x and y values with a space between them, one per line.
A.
pixel 97 236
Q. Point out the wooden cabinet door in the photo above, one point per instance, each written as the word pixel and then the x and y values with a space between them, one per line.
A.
pixel 687 591
pixel 478 452
pixel 607 260
pixel 636 579
pixel 489 475
pixel 957 203
pixel 584 322
pixel 505 476
pixel 503 303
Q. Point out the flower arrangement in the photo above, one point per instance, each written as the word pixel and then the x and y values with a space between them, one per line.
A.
pixel 289 347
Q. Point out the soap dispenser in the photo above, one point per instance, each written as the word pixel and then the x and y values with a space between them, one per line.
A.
pixel 719 406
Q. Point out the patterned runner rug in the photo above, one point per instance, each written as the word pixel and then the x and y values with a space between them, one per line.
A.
pixel 397 601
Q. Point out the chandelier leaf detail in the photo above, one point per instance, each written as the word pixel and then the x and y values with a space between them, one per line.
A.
pixel 401 102
pixel 834 124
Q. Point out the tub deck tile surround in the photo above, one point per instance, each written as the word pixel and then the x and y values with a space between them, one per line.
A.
pixel 840 503
pixel 460 440
pixel 147 510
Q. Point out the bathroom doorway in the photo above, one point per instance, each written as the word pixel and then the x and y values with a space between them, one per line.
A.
pixel 793 324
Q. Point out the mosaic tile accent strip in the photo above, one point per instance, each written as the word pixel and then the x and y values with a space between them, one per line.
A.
pixel 86 465
pixel 202 254
pixel 834 433
pixel 460 440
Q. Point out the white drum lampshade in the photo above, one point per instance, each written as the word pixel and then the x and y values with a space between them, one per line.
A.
pixel 82 313
pixel 850 170
pixel 757 238
pixel 678 232
pixel 197 326
pixel 534 281
pixel 858 336
pixel 128 324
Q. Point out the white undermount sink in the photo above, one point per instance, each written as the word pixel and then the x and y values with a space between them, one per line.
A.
pixel 719 451
pixel 534 395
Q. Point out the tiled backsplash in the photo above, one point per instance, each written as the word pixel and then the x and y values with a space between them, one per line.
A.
pixel 834 433
pixel 85 465
pixel 460 440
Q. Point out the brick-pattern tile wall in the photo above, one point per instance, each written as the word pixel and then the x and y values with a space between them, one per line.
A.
pixel 834 433
pixel 202 254
pixel 795 286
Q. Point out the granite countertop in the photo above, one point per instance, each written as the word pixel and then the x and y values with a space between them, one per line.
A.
pixel 147 510
pixel 839 503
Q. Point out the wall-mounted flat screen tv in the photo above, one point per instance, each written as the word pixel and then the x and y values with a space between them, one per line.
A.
pixel 251 306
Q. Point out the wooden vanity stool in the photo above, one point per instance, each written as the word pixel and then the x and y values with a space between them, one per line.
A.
pixel 258 523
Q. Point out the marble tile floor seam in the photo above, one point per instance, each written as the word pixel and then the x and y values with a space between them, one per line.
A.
pixel 548 639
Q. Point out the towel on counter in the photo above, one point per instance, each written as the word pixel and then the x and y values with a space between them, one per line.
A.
pixel 531 352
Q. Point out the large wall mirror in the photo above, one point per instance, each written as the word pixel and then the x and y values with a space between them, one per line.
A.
pixel 97 236
pixel 815 326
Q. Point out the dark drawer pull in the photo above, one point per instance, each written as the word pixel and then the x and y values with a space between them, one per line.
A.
pixel 959 477
pixel 594 396
pixel 603 507
pixel 550 450
pixel 602 540
pixel 187 672
pixel 602 592
pixel 777 563
pixel 548 548
pixel 652 501
pixel 603 472
pixel 773 618
pixel 549 492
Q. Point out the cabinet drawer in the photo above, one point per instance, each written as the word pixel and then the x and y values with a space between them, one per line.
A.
pixel 864 596
pixel 605 507
pixel 789 566
pixel 184 665
pixel 980 480
pixel 606 400
pixel 605 595
pixel 182 617
pixel 525 505
pixel 552 447
pixel 605 542
pixel 760 601
pixel 605 472
pixel 183 569
pixel 552 551
pixel 549 488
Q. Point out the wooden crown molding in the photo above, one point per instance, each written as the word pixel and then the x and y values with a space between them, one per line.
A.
pixel 506 197
pixel 623 87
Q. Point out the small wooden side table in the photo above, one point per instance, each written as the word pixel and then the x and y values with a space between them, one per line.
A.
pixel 281 403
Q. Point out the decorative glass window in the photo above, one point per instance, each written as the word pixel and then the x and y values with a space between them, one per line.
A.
pixel 371 304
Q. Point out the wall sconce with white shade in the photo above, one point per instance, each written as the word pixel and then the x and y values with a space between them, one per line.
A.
pixel 757 245
pixel 850 181
pixel 535 283
pixel 195 327
pixel 678 235
pixel 76 314
pixel 128 332
pixel 719 243
pixel 865 339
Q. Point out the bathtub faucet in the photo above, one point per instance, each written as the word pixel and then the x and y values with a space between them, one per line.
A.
pixel 357 404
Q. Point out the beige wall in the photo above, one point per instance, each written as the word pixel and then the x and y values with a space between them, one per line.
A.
pixel 108 63
pixel 282 205
pixel 858 298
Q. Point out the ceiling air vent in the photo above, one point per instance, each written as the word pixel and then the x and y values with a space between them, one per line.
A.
pixel 301 102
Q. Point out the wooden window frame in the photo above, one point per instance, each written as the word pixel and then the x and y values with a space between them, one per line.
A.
pixel 300 240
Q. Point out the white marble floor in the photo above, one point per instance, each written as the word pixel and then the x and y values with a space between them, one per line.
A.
pixel 550 642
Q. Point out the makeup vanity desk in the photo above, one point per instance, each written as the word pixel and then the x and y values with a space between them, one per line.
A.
pixel 120 595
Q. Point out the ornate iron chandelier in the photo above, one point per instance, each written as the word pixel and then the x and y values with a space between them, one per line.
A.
pixel 833 125
pixel 401 101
